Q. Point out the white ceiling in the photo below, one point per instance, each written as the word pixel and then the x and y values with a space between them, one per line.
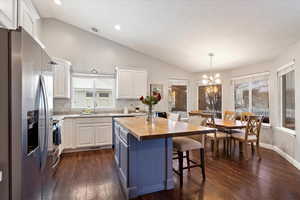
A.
pixel 183 32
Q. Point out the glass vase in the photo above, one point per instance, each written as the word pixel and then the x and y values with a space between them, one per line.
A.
pixel 150 114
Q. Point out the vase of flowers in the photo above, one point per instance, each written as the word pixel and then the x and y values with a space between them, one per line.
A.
pixel 150 101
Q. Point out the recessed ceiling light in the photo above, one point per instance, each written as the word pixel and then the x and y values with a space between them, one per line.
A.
pixel 58 2
pixel 94 29
pixel 117 27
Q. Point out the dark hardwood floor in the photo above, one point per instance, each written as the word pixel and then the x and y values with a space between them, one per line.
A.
pixel 92 175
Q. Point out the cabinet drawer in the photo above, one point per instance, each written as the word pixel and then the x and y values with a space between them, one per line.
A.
pixel 94 120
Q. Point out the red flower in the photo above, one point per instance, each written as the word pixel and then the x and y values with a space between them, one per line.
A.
pixel 141 98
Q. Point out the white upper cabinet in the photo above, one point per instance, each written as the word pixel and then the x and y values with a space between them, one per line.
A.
pixel 62 78
pixel 140 84
pixel 8 13
pixel 131 84
pixel 28 17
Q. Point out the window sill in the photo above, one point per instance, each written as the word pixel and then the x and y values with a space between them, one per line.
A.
pixel 266 125
pixel 286 130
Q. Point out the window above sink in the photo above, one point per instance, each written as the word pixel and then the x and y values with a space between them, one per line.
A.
pixel 93 91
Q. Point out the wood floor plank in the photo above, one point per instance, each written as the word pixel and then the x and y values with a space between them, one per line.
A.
pixel 93 175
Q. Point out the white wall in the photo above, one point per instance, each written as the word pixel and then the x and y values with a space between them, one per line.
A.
pixel 86 51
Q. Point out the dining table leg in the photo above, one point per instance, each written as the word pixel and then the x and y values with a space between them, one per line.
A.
pixel 229 143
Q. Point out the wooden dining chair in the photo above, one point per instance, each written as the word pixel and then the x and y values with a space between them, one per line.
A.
pixel 229 115
pixel 215 138
pixel 244 116
pixel 251 135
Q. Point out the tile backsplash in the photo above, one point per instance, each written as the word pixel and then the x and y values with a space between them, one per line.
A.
pixel 63 106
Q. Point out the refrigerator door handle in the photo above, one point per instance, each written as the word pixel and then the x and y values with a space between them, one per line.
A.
pixel 44 146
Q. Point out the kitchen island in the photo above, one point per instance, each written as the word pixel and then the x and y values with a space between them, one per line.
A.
pixel 143 152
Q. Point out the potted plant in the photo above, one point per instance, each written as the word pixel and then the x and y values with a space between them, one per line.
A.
pixel 150 101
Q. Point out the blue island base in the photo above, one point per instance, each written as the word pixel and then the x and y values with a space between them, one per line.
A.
pixel 144 166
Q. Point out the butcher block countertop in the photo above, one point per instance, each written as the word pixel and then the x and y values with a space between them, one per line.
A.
pixel 160 128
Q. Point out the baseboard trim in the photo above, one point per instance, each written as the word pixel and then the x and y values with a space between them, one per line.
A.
pixel 81 149
pixel 291 160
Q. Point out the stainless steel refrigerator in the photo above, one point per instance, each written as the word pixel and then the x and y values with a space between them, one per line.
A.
pixel 27 104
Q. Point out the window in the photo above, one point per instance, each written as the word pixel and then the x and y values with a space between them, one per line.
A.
pixel 287 97
pixel 177 97
pixel 251 94
pixel 93 92
pixel 208 101
pixel 241 97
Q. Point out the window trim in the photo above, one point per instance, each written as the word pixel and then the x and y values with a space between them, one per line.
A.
pixel 249 79
pixel 94 76
pixel 285 69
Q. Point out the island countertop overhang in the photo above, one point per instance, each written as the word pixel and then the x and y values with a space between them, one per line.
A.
pixel 141 129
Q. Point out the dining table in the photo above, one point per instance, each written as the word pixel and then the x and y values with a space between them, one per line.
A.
pixel 229 126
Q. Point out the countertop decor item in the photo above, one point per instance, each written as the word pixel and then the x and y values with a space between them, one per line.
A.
pixel 150 101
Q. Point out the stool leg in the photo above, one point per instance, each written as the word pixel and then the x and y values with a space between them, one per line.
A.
pixel 212 143
pixel 188 160
pixel 233 147
pixel 224 145
pixel 202 163
pixel 241 147
pixel 180 159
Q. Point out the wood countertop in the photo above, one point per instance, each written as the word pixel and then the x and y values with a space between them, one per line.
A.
pixel 160 128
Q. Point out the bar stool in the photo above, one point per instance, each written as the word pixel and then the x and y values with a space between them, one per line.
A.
pixel 185 144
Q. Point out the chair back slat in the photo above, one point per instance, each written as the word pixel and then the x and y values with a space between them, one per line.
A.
pixel 229 115
pixel 253 126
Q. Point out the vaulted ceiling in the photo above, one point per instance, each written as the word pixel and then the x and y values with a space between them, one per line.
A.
pixel 183 32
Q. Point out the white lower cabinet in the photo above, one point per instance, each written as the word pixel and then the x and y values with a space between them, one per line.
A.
pixel 85 135
pixel 103 134
pixel 86 132
pixel 67 134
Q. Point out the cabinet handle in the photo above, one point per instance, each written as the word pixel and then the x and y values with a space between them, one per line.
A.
pixel 123 142
pixel 1 176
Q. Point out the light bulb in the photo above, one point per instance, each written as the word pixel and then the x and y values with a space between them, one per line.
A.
pixel 217 75
pixel 218 81
pixel 58 2
pixel 204 81
pixel 205 76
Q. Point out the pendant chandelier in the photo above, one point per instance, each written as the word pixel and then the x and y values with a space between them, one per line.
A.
pixel 212 78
